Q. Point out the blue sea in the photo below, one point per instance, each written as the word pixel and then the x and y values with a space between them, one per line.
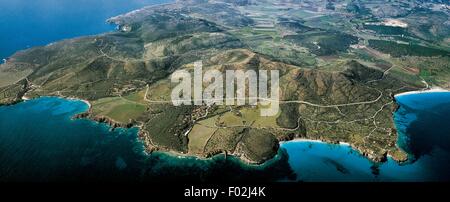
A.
pixel 39 140
pixel 26 23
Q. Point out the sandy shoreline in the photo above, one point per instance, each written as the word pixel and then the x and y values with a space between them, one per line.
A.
pixel 136 11
pixel 25 98
pixel 431 90
pixel 313 141
pixel 85 101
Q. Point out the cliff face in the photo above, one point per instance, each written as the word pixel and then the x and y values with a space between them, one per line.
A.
pixel 13 93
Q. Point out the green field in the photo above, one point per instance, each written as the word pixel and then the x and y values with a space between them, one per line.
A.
pixel 121 109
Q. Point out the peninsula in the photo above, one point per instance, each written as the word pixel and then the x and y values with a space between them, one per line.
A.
pixel 340 67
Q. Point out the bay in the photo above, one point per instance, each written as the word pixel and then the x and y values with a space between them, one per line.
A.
pixel 26 23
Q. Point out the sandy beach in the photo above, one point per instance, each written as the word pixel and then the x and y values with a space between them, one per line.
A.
pixel 313 141
pixel 431 90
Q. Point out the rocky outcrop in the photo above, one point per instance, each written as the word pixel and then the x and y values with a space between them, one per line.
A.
pixel 103 119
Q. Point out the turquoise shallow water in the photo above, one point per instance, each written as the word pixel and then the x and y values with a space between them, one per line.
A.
pixel 322 162
pixel 315 161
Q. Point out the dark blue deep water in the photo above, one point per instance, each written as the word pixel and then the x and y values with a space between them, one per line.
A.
pixel 27 23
